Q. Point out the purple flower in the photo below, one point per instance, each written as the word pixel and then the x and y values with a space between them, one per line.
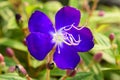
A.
pixel 65 35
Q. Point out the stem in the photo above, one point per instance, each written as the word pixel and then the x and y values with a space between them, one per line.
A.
pixel 64 77
pixel 40 68
pixel 94 6
pixel 48 75
pixel 25 31
pixel 28 77
pixel 50 54
pixel 48 70
pixel 15 59
pixel 86 5
pixel 28 59
pixel 90 64
pixel 0 69
pixel 82 66
pixel 114 52
pixel 49 60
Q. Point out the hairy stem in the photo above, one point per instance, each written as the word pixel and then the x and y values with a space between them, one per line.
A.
pixel 16 60
pixel 94 6
pixel 48 75
pixel 64 77
pixel 49 60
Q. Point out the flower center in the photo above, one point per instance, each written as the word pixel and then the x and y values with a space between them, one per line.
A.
pixel 58 37
pixel 62 36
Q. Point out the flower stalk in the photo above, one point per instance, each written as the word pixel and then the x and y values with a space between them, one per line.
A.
pixel 49 61
pixel 96 58
pixel 94 6
pixel 16 60
pixel 48 74
pixel 88 9
pixel 113 47
pixel 82 65
pixel 64 77
pixel 28 77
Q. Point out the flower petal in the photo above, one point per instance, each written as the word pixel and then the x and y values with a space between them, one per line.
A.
pixel 85 33
pixel 86 38
pixel 67 58
pixel 67 16
pixel 39 22
pixel 85 46
pixel 39 45
pixel 87 41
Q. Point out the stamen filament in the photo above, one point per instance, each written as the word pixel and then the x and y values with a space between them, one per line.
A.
pixel 62 36
pixel 58 49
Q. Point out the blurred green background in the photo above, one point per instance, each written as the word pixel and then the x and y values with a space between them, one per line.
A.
pixel 101 16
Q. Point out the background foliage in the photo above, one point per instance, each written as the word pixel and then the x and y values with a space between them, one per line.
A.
pixel 101 18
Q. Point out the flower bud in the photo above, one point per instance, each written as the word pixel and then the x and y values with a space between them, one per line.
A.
pixel 97 57
pixel 9 52
pixel 112 36
pixel 50 66
pixel 21 69
pixel 70 73
pixel 1 58
pixel 11 69
pixel 101 13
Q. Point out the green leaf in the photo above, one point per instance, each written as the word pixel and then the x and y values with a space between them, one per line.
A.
pixel 108 17
pixel 35 63
pixel 9 61
pixel 13 44
pixel 51 9
pixel 87 58
pixel 57 72
pixel 74 3
pixel 103 44
pixel 11 76
pixel 82 76
pixel 111 69
pixel 30 8
pixel 4 4
pixel 8 18
pixel 84 18
pixel 49 6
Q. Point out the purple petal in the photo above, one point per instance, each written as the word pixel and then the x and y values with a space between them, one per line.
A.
pixel 87 41
pixel 86 38
pixel 67 58
pixel 39 45
pixel 85 34
pixel 39 22
pixel 67 16
pixel 85 46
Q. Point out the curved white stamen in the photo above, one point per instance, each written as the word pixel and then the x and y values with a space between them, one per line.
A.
pixel 75 42
pixel 67 43
pixel 71 39
pixel 71 26
pixel 62 36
